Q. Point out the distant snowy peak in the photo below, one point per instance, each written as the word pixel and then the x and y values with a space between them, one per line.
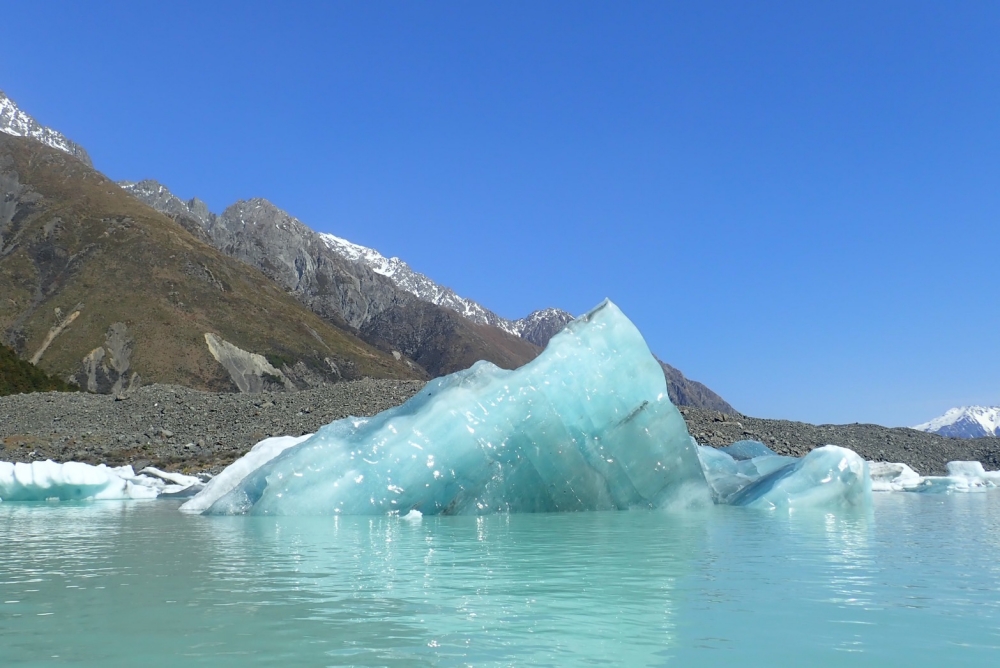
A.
pixel 15 122
pixel 537 328
pixel 965 422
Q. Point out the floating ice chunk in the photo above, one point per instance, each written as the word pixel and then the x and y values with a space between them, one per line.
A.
pixel 41 481
pixel 827 477
pixel 234 474
pixel 727 476
pixel 585 426
pixel 892 477
pixel 971 470
pixel 963 477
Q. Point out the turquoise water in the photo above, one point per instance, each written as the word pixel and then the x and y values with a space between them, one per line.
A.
pixel 916 582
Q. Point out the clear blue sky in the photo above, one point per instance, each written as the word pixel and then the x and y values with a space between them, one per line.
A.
pixel 796 202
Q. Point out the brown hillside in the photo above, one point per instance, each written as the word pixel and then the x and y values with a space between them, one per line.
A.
pixel 77 251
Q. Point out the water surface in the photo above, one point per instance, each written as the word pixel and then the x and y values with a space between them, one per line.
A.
pixel 916 582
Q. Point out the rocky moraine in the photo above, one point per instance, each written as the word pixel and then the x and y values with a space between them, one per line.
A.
pixel 179 429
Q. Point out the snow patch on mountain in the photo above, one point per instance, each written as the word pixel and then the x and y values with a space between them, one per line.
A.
pixel 425 288
pixel 15 122
pixel 965 422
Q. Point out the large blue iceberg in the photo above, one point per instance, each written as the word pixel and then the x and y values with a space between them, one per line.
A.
pixel 587 425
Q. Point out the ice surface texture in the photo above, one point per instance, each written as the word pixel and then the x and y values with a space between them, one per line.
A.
pixel 587 425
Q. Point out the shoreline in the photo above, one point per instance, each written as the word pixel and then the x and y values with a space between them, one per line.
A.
pixel 178 429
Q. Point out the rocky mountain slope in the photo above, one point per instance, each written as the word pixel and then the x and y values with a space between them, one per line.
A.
pixel 340 290
pixel 388 302
pixel 98 287
pixel 538 327
pixel 15 122
pixel 382 300
pixel 965 422
pixel 686 392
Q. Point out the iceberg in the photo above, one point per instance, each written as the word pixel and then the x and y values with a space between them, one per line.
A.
pixel 893 477
pixel 827 477
pixel 76 481
pixel 587 425
pixel 72 481
pixel 963 477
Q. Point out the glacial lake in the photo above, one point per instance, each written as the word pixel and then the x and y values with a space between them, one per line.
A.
pixel 915 582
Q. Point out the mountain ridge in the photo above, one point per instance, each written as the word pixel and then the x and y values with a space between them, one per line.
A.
pixel 266 222
pixel 18 123
pixel 363 301
pixel 289 252
pixel 102 289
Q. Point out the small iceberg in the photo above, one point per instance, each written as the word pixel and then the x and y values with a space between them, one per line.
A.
pixel 962 478
pixel 829 476
pixel 76 481
pixel 587 425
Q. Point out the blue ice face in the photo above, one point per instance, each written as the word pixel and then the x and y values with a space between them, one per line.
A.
pixel 585 426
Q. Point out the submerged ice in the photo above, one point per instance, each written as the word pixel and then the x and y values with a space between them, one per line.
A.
pixel 585 426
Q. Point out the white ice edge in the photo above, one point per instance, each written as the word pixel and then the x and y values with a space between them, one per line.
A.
pixel 234 474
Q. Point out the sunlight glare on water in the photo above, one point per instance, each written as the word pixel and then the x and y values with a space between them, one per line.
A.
pixel 914 582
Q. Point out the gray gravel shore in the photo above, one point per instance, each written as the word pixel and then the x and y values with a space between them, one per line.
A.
pixel 175 428
pixel 179 429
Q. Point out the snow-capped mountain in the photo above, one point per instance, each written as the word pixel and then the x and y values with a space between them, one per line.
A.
pixel 965 422
pixel 538 327
pixel 15 122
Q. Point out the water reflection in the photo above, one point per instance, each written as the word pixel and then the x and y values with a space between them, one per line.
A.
pixel 577 588
pixel 107 581
pixel 496 588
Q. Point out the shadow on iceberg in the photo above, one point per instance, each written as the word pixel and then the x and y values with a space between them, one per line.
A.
pixel 587 425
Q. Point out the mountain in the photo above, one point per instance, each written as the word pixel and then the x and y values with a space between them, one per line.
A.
pixel 686 392
pixel 99 288
pixel 965 422
pixel 15 122
pixel 342 291
pixel 538 327
pixel 384 299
